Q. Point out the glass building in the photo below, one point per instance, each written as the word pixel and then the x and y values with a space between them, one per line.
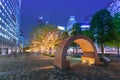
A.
pixel 84 26
pixel 70 23
pixel 9 25
pixel 114 7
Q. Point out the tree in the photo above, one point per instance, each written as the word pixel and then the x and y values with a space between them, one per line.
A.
pixel 45 38
pixel 75 30
pixel 116 20
pixel 86 33
pixel 65 34
pixel 102 28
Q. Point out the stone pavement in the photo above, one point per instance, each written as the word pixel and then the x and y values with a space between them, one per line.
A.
pixel 42 68
pixel 31 68
pixel 34 70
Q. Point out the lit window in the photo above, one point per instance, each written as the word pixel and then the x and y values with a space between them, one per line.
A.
pixel 0 3
pixel 3 7
pixel 3 0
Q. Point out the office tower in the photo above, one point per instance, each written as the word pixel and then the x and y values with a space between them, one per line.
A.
pixel 9 25
pixel 40 21
pixel 114 7
pixel 84 26
pixel 88 18
pixel 70 23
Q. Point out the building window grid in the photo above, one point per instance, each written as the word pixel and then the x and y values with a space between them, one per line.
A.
pixel 9 18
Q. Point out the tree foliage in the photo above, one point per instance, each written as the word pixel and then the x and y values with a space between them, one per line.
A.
pixel 116 21
pixel 86 33
pixel 65 34
pixel 45 37
pixel 76 29
pixel 102 28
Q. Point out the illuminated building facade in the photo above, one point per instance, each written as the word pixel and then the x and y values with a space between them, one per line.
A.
pixel 70 23
pixel 9 25
pixel 61 28
pixel 114 7
pixel 85 26
pixel 40 21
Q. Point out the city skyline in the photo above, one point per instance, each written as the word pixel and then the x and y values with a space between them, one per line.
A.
pixel 59 39
pixel 57 12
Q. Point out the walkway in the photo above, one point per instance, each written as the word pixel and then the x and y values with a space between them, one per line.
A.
pixel 42 68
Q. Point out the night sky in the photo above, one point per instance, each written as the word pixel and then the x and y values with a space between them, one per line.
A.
pixel 57 12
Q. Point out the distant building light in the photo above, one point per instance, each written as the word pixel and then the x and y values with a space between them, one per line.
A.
pixel 72 18
pixel 41 17
pixel 61 28
pixel 85 26
pixel 0 3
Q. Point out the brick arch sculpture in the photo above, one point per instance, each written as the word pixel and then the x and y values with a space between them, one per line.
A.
pixel 89 51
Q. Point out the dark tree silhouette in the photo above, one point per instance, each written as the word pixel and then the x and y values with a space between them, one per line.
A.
pixel 102 28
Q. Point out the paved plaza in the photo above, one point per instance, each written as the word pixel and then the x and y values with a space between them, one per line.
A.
pixel 38 67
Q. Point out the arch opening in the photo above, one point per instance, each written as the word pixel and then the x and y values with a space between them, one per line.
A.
pixel 89 51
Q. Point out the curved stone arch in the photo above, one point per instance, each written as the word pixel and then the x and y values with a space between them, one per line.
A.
pixel 88 47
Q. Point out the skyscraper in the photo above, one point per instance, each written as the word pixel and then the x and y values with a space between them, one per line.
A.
pixel 40 21
pixel 114 7
pixel 9 25
pixel 70 23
